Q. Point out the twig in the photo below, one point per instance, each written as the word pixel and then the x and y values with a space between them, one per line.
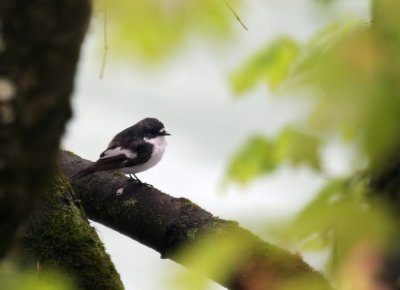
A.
pixel 235 14
pixel 105 44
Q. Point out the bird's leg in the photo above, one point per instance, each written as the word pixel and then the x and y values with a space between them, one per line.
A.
pixel 134 178
pixel 137 178
pixel 141 182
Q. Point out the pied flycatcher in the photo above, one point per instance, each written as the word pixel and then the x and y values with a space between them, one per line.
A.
pixel 132 150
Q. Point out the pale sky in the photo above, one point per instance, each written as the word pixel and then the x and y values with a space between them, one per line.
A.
pixel 191 96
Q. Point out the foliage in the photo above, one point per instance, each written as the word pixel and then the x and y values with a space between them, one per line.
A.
pixel 238 260
pixel 152 29
pixel 14 280
pixel 349 71
pixel 210 256
pixel 270 64
pixel 332 220
pixel 261 155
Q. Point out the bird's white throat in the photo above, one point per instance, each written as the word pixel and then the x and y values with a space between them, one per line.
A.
pixel 159 143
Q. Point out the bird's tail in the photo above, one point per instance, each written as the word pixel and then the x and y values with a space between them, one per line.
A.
pixel 83 173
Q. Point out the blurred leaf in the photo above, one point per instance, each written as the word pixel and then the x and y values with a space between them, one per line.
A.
pixel 298 148
pixel 338 218
pixel 386 19
pixel 302 283
pixel 256 157
pixel 152 29
pixel 34 281
pixel 325 1
pixel 261 156
pixel 270 65
pixel 189 280
pixel 302 71
pixel 348 69
pixel 351 73
pixel 211 256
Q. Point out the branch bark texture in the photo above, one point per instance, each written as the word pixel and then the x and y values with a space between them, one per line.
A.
pixel 168 224
pixel 59 236
pixel 39 50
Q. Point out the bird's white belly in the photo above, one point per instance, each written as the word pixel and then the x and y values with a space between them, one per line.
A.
pixel 159 144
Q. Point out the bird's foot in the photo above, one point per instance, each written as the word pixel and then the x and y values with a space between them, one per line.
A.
pixel 134 181
pixel 133 178
pixel 148 185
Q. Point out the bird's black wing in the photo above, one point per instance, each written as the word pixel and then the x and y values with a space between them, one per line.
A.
pixel 109 163
pixel 138 153
pixel 116 157
pixel 127 136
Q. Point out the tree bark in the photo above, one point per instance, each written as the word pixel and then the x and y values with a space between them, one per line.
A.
pixel 39 50
pixel 59 236
pixel 168 224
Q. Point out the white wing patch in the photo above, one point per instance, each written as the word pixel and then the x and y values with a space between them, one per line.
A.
pixel 119 151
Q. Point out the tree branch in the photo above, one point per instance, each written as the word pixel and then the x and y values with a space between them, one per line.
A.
pixel 59 235
pixel 167 224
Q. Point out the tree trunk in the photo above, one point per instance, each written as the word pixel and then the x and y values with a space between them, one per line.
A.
pixel 39 50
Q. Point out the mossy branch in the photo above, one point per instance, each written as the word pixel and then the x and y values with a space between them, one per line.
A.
pixel 168 224
pixel 59 236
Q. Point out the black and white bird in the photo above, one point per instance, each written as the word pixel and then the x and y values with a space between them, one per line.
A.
pixel 132 150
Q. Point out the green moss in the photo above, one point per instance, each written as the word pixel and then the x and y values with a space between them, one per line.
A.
pixel 60 236
pixel 191 234
pixel 188 204
pixel 130 202
pixel 118 173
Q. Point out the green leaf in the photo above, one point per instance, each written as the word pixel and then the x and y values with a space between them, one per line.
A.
pixel 339 219
pixel 348 70
pixel 261 156
pixel 45 280
pixel 256 157
pixel 298 148
pixel 150 30
pixel 209 256
pixel 270 65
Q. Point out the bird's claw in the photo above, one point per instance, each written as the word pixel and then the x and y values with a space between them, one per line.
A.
pixel 133 178
pixel 136 181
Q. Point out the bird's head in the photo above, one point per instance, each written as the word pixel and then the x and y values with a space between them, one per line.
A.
pixel 150 128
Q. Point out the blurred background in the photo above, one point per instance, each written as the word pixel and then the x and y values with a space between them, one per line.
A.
pixel 189 88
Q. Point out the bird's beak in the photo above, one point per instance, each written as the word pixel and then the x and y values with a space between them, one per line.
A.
pixel 166 134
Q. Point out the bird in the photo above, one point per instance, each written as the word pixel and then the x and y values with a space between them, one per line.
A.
pixel 133 150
